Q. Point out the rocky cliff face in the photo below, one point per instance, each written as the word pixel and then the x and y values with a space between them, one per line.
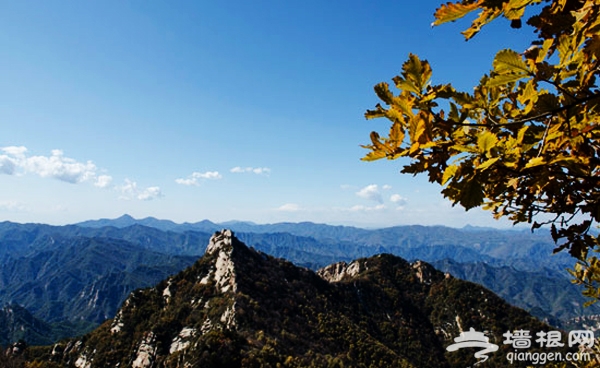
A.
pixel 236 307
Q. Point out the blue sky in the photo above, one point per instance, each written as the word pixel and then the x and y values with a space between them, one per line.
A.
pixel 191 110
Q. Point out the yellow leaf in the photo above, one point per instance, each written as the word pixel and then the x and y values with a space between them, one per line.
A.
pixel 406 85
pixel 394 115
pixel 448 173
pixel 521 134
pixel 502 79
pixel 536 161
pixel 529 93
pixel 373 155
pixel 488 163
pixel 508 67
pixel 414 148
pixel 396 134
pixel 419 128
pixel 486 141
pixel 514 9
pixel 461 148
pixel 564 159
pixel 379 112
pixel 383 92
pixel 484 18
pixel 404 104
pixel 509 61
pixel 452 11
pixel 379 146
pixel 417 74
pixel 545 47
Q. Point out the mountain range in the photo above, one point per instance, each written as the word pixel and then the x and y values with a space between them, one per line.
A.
pixel 523 249
pixel 238 307
pixel 515 263
pixel 74 277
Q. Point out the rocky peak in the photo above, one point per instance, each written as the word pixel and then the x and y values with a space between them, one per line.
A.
pixel 338 271
pixel 221 243
pixel 220 240
pixel 424 271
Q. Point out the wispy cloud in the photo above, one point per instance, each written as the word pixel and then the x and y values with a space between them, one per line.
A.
pixel 398 199
pixel 130 190
pixel 103 181
pixel 197 177
pixel 370 192
pixel 289 207
pixel 149 194
pixel 12 206
pixel 254 170
pixel 14 160
pixel 8 164
pixel 361 208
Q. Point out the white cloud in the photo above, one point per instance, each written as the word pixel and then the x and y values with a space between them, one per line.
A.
pixel 57 166
pixel 207 175
pixel 195 178
pixel 130 190
pixel 189 181
pixel 149 193
pixel 103 181
pixel 255 170
pixel 14 160
pixel 16 151
pixel 289 207
pixel 7 165
pixel 387 187
pixel 398 199
pixel 370 192
pixel 361 208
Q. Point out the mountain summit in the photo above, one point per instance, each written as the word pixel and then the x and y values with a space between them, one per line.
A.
pixel 237 307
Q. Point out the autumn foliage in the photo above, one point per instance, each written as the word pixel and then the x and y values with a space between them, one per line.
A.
pixel 525 143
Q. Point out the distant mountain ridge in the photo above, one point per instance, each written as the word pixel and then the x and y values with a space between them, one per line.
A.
pixel 78 273
pixel 515 248
pixel 518 255
pixel 518 248
pixel 238 307
pixel 165 225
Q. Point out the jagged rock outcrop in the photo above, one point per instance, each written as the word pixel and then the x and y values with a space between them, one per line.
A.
pixel 339 271
pixel 236 307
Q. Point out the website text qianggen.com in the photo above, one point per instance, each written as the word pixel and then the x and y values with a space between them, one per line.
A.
pixel 543 358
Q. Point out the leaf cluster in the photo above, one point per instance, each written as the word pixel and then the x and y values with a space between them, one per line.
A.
pixel 525 143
